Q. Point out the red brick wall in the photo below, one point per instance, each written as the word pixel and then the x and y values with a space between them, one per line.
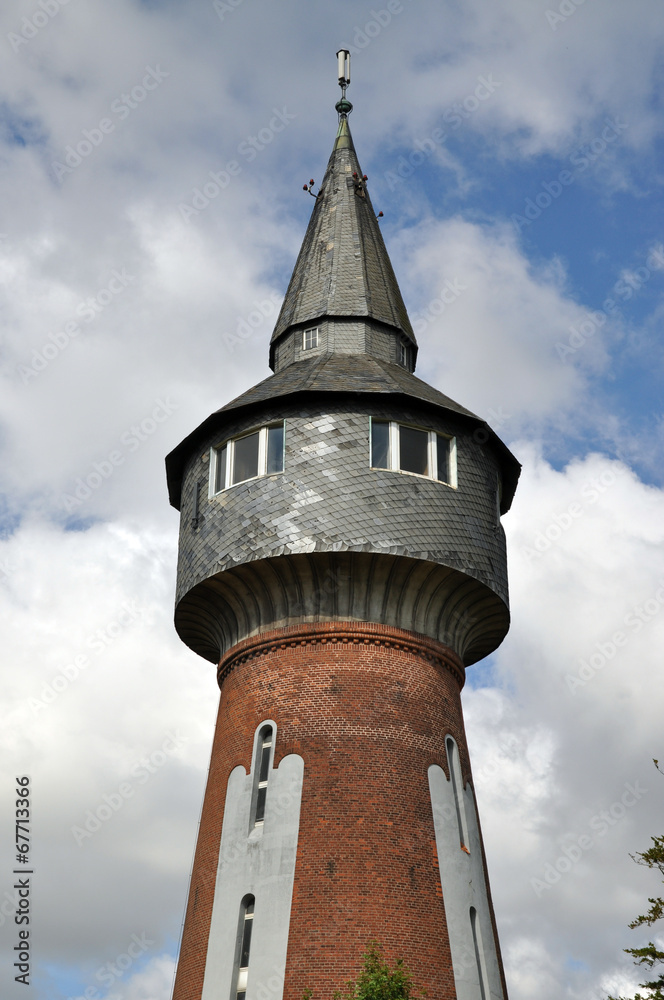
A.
pixel 368 709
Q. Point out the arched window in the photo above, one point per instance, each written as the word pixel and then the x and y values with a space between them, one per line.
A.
pixel 457 788
pixel 245 926
pixel 479 954
pixel 262 773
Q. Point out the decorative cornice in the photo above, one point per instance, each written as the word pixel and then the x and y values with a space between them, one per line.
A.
pixel 383 590
pixel 352 634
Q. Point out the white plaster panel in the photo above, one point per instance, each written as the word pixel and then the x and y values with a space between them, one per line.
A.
pixel 259 861
pixel 463 883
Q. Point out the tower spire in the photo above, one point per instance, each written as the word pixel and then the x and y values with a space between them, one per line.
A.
pixel 341 561
pixel 343 281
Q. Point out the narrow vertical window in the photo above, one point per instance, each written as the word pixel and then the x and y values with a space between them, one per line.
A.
pixel 262 773
pixel 479 954
pixel 403 354
pixel 244 944
pixel 380 444
pixel 457 788
pixel 220 476
pixel 443 455
pixel 275 449
pixel 195 514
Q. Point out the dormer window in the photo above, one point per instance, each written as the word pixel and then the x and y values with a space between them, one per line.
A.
pixel 258 453
pixel 310 338
pixel 402 448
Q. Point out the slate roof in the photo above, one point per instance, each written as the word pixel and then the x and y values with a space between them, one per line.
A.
pixel 343 268
pixel 343 374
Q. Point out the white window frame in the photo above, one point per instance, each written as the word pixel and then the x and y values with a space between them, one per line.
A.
pixel 403 353
pixel 230 457
pixel 312 330
pixel 263 740
pixel 394 457
pixel 241 972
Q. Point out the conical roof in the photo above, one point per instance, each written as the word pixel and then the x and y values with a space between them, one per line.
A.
pixel 343 269
pixel 342 272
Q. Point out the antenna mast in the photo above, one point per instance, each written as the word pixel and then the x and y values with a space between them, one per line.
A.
pixel 344 107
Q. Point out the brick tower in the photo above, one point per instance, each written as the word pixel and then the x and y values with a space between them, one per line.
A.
pixel 342 561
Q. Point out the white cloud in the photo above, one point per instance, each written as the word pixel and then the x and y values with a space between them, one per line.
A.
pixel 102 697
pixel 566 785
pixel 153 982
pixel 548 759
pixel 495 323
pixel 555 85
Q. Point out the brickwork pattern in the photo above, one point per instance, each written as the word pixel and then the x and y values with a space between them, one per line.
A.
pixel 368 709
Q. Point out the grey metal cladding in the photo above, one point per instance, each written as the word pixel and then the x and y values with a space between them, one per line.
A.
pixel 343 268
pixel 328 502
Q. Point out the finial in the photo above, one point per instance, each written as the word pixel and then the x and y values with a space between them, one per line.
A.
pixel 343 107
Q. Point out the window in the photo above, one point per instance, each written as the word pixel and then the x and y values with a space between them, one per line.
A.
pixel 259 453
pixel 310 338
pixel 479 954
pixel 457 789
pixel 262 773
pixel 403 354
pixel 402 448
pixel 239 991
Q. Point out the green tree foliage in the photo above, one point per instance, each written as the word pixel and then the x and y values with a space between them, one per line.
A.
pixel 650 956
pixel 377 981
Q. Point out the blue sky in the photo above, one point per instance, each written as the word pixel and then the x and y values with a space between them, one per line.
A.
pixel 121 312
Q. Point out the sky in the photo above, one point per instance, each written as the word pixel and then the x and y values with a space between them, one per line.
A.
pixel 153 156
